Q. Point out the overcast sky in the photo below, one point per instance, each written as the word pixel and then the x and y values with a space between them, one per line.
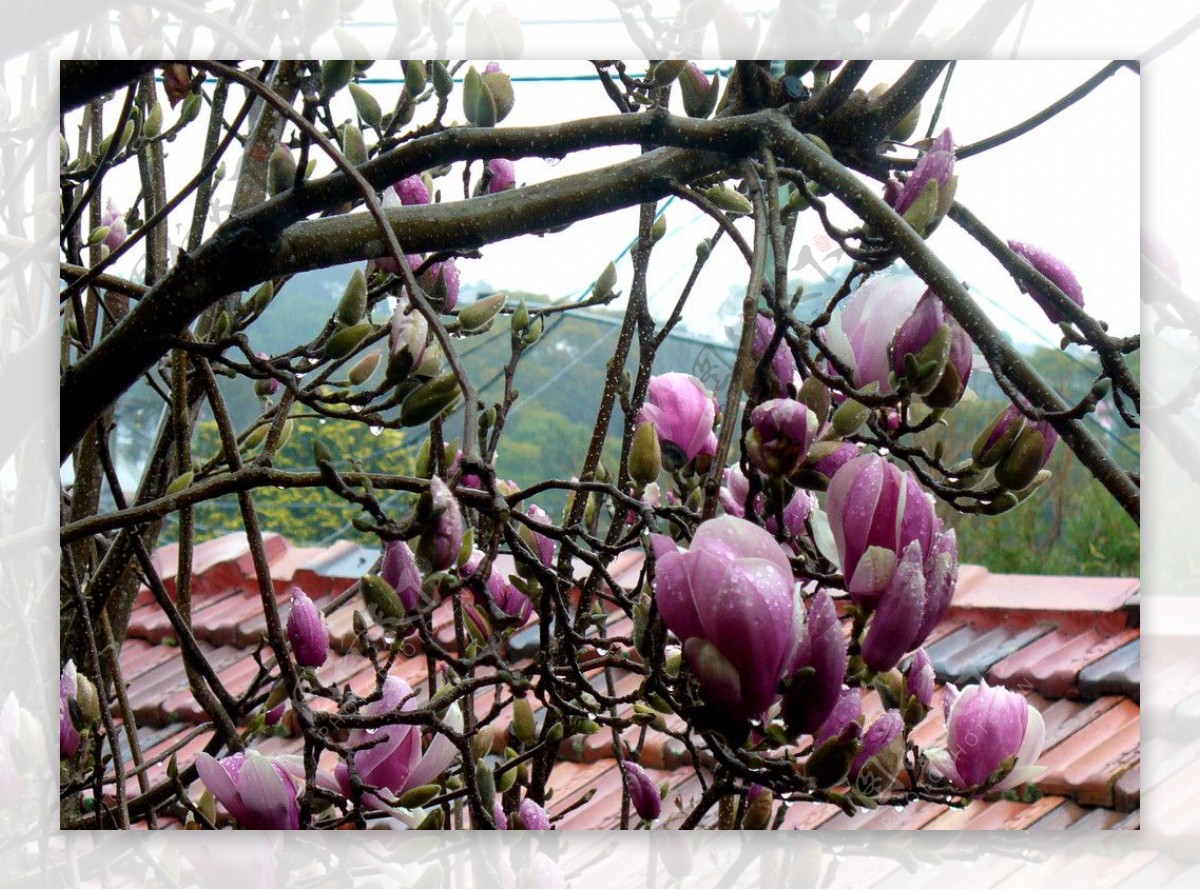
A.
pixel 1071 187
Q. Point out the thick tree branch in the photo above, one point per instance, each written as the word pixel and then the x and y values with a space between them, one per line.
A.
pixel 250 247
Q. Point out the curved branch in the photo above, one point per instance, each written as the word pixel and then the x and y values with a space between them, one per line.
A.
pixel 250 247
pixel 999 353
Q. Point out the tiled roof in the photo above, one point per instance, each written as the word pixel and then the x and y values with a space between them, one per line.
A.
pixel 1070 644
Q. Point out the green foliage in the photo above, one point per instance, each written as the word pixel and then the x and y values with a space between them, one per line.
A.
pixel 1071 525
pixel 307 516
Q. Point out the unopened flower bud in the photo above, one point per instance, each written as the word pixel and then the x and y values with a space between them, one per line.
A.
pixel 645 455
pixel 307 631
pixel 643 793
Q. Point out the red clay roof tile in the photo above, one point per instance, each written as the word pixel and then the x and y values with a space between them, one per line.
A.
pixel 1092 747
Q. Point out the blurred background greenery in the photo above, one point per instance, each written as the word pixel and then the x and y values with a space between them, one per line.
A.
pixel 1071 526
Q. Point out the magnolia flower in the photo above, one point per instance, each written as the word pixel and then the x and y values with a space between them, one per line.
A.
pixel 397 761
pixel 916 336
pixel 506 598
pixel 258 791
pixel 735 488
pixel 501 175
pixel 836 459
pixel 875 511
pixel 895 556
pixel 441 283
pixel 730 599
pixel 643 793
pixel 683 411
pixel 407 338
pixel 919 678
pixel 443 537
pixel 307 631
pixel 781 432
pixel 412 190
pixel 985 727
pixel 399 570
pixel 935 166
pixel 542 545
pixel 115 221
pixel 68 735
pixel 808 704
pixel 874 768
pixel 1056 270
pixel 783 364
pixel 533 816
pixel 863 330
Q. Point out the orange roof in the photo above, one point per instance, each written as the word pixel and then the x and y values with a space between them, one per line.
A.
pixel 1070 644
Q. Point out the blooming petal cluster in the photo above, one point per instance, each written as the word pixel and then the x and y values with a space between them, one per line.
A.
pixel 258 791
pixel 862 332
pixel 397 760
pixel 731 601
pixel 683 411
pixel 895 556
pixel 735 488
pixel 986 726
pixel 1057 271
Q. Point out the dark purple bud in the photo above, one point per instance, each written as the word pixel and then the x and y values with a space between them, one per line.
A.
pixel 1056 270
pixel 643 793
pixel 443 539
pixel 68 736
pixel 399 569
pixel 783 363
pixel 306 631
pixel 781 432
pixel 807 704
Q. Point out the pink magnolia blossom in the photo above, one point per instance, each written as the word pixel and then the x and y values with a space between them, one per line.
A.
pixel 986 725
